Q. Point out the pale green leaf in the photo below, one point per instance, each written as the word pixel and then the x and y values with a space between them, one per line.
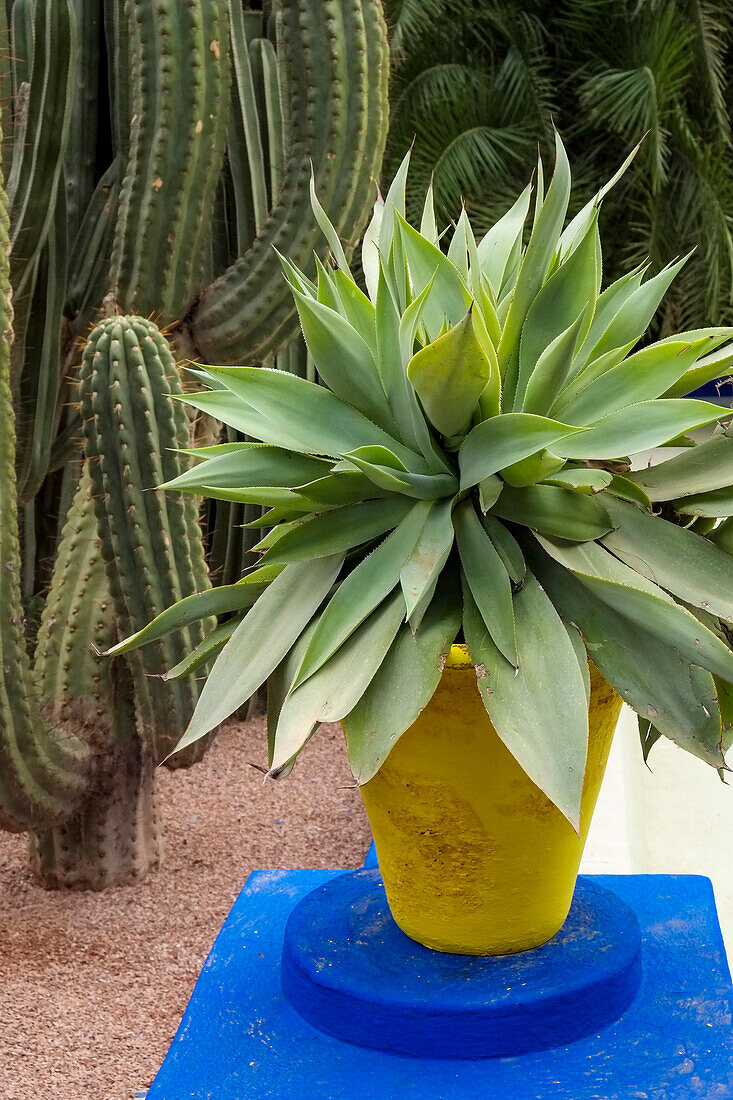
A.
pixel 487 578
pixel 506 439
pixel 554 511
pixel 420 573
pixel 645 425
pixel 339 530
pixel 538 710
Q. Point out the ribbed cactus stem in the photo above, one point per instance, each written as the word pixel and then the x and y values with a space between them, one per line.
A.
pixel 179 71
pixel 151 541
pixel 114 838
pixel 334 60
pixel 44 771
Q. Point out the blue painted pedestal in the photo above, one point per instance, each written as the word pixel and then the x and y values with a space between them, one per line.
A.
pixel 241 1039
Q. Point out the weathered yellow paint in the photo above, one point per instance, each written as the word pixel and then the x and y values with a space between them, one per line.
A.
pixel 475 859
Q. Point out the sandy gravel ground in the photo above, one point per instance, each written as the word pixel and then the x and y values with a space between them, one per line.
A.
pixel 92 986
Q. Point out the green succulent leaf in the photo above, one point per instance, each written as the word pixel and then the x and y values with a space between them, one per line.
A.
pixel 340 530
pixel 650 675
pixel 502 241
pixel 404 684
pixel 507 548
pixel 539 710
pixel 582 479
pixel 685 564
pixel 448 297
pixel 554 511
pixel 700 469
pixel 503 440
pixel 567 299
pixel 552 368
pixel 260 642
pixel 538 255
pixel 214 601
pixel 336 687
pixel 487 578
pixel 450 375
pixel 204 652
pixel 631 595
pixel 251 464
pixel 420 573
pixel 716 504
pixel 363 590
pixel 642 426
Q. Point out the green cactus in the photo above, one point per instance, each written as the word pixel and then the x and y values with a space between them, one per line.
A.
pixel 334 97
pixel 131 200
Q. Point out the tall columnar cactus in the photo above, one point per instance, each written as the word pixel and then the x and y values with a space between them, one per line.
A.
pixel 334 100
pixel 156 149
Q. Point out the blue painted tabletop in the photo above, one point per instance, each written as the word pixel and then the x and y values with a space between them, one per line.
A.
pixel 240 1039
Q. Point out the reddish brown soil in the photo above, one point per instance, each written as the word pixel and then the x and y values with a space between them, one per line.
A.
pixel 93 985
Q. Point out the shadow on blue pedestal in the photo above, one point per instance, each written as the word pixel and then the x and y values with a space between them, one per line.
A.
pixel 241 1039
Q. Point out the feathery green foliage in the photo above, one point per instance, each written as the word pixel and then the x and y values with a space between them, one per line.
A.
pixel 478 85
pixel 465 460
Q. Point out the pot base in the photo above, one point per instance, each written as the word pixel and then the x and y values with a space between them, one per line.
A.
pixel 349 971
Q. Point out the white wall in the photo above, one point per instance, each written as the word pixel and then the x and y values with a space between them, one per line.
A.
pixel 674 817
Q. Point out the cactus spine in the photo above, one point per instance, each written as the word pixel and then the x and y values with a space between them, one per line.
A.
pixel 191 178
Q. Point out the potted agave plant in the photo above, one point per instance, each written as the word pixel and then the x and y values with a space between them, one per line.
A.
pixel 462 563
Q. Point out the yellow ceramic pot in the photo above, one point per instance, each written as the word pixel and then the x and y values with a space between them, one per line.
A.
pixel 475 859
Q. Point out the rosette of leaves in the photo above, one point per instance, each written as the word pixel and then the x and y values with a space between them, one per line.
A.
pixel 464 464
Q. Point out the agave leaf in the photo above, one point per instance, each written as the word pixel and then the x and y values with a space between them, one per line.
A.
pixel 706 370
pixel 650 675
pixel 394 204
pixel 538 710
pixel 718 503
pixel 221 404
pixel 324 224
pixel 343 360
pixel 489 491
pixel 504 440
pixel 680 561
pixel 632 319
pixel 449 376
pixel 428 226
pixel 420 573
pixel 530 470
pixel 214 601
pixel 208 648
pixel 641 426
pixel 448 298
pixel 487 578
pixel 458 249
pixel 356 308
pixel 567 298
pixel 404 684
pixel 419 486
pixel 274 516
pixel 279 684
pixel 323 423
pixel 507 548
pixel 554 511
pixel 705 467
pixel 575 230
pixel 362 590
pixel 632 595
pixel 344 487
pixel 252 464
pixel 269 496
pixel 326 289
pixel 340 530
pixel 496 248
pixel 538 254
pixel 582 480
pixel 610 301
pixel 641 377
pixel 627 490
pixel 370 261
pixel 336 687
pixel 280 614
pixel 553 368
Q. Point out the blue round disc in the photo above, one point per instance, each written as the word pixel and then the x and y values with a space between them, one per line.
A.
pixel 351 972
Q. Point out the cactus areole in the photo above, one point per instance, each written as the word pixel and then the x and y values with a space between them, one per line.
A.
pixel 466 465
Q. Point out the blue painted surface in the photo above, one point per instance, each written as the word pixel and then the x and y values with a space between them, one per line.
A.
pixel 350 971
pixel 371 856
pixel 240 1039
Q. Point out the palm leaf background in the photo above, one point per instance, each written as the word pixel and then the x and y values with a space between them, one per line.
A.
pixel 477 85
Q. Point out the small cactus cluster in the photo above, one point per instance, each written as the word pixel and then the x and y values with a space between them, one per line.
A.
pixel 156 159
